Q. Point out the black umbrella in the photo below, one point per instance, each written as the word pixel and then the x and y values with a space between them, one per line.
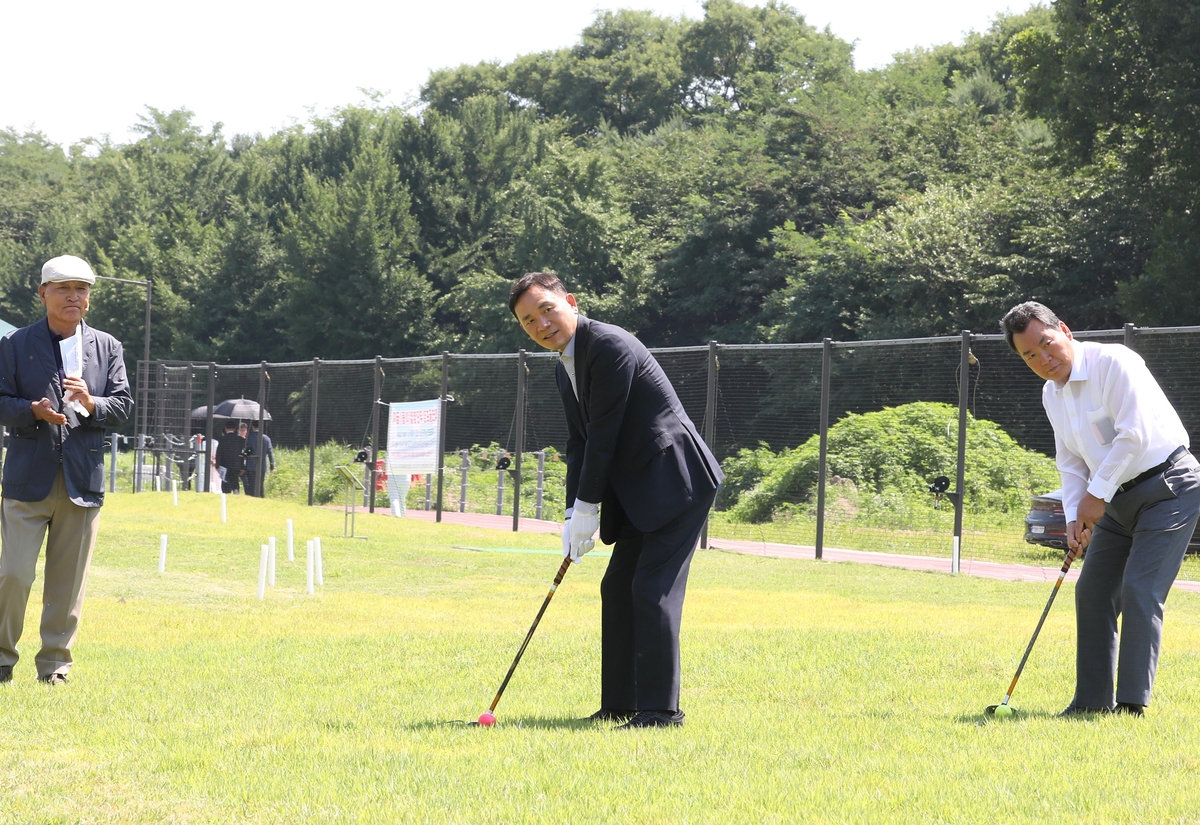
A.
pixel 233 408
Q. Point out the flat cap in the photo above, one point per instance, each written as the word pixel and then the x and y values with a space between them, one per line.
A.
pixel 67 268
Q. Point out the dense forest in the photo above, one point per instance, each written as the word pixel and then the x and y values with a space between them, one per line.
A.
pixel 731 178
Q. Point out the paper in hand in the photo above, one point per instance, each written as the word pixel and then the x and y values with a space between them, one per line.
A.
pixel 72 359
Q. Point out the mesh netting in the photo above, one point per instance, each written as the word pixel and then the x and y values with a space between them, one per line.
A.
pixel 765 400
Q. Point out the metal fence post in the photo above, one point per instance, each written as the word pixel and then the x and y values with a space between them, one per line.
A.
pixel 428 491
pixel 112 470
pixel 500 485
pixel 312 431
pixel 260 475
pixel 522 369
pixel 445 407
pixel 466 465
pixel 710 420
pixel 964 395
pixel 377 400
pixel 541 482
pixel 208 425
pixel 1130 332
pixel 823 460
pixel 187 437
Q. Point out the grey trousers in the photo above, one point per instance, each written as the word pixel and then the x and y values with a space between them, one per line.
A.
pixel 23 526
pixel 1134 556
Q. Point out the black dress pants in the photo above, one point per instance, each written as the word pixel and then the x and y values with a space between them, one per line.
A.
pixel 642 606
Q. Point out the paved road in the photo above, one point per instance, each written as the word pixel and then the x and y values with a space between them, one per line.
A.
pixel 984 569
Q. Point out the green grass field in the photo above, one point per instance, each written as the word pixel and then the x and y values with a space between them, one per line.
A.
pixel 815 692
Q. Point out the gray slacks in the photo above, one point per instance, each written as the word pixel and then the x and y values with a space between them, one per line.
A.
pixel 1134 556
pixel 72 536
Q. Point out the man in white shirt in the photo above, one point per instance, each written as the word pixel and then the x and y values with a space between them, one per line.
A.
pixel 1131 497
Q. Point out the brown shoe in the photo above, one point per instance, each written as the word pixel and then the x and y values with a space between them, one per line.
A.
pixel 53 679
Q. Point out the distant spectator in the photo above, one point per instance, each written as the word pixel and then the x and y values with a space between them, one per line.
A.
pixel 255 483
pixel 229 458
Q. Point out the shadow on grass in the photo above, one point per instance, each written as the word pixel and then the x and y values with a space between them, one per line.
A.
pixel 982 718
pixel 534 722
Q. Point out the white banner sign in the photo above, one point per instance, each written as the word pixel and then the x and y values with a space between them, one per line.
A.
pixel 412 437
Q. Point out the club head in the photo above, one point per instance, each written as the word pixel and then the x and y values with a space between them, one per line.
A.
pixel 1000 710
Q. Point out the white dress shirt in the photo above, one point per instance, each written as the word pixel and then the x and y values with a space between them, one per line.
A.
pixel 1111 422
pixel 568 361
pixel 567 356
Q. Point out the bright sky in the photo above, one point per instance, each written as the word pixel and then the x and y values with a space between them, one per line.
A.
pixel 73 69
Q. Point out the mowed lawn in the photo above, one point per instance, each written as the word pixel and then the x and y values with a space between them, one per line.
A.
pixel 814 691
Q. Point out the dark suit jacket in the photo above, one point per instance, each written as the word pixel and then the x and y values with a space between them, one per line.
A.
pixel 267 450
pixel 29 372
pixel 229 453
pixel 630 445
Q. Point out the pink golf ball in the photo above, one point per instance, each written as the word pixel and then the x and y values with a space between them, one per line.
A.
pixel 487 719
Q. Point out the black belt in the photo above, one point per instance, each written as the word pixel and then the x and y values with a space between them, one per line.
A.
pixel 1153 471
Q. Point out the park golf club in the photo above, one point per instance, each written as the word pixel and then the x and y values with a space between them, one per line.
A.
pixel 488 717
pixel 1003 708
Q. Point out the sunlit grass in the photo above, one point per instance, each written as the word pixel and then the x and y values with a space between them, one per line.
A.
pixel 814 691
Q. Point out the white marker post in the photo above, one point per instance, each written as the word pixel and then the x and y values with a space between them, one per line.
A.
pixel 175 492
pixel 162 553
pixel 262 573
pixel 291 555
pixel 320 566
pixel 310 567
pixel 224 512
pixel 271 562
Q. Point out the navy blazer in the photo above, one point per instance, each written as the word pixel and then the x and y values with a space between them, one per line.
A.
pixel 630 445
pixel 29 372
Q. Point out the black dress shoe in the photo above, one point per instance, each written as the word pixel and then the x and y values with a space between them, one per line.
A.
pixel 5 673
pixel 610 715
pixel 654 719
pixel 1080 710
pixel 54 679
pixel 1129 708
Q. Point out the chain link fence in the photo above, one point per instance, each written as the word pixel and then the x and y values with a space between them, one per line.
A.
pixel 764 400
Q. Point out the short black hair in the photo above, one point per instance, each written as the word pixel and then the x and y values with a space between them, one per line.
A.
pixel 546 280
pixel 1017 319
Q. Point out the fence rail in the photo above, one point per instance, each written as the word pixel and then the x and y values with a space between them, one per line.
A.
pixel 739 395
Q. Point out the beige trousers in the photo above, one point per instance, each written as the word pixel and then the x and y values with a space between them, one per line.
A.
pixel 23 526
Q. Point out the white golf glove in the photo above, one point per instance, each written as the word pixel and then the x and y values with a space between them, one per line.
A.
pixel 585 521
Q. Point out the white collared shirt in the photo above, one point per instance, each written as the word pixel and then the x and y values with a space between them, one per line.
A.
pixel 1111 422
pixel 567 356
pixel 568 361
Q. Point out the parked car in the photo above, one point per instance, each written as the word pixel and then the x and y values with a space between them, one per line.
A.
pixel 1046 524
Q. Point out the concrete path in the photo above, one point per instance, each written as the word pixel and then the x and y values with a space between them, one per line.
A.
pixel 983 569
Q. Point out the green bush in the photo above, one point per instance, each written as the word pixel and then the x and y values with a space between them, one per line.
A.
pixel 884 460
pixel 743 472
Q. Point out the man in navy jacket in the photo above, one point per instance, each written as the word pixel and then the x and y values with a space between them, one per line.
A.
pixel 54 470
pixel 638 471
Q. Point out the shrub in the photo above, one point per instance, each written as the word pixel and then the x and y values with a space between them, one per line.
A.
pixel 892 454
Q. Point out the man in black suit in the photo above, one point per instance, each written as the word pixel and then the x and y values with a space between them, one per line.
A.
pixel 58 404
pixel 638 471
pixel 230 447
